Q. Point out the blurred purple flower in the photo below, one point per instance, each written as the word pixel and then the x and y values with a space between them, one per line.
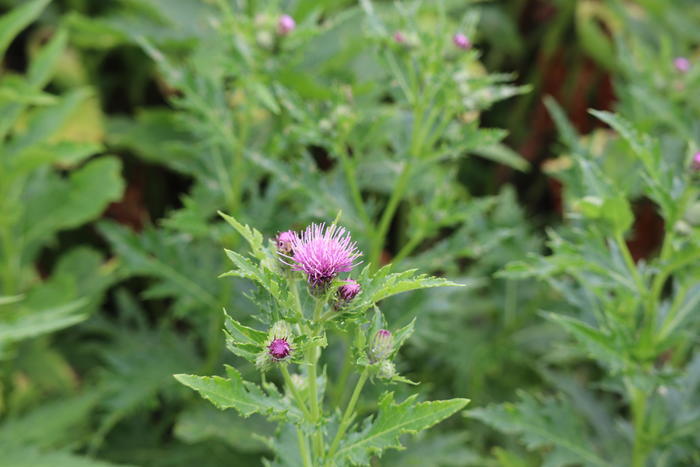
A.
pixel 285 25
pixel 461 41
pixel 682 64
pixel 322 252
pixel 399 37
pixel 284 242
pixel 696 161
pixel 279 348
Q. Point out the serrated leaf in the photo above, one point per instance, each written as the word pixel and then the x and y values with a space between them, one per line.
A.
pixel 601 345
pixel 233 392
pixel 383 284
pixel 169 259
pixel 543 423
pixel 251 235
pixel 391 422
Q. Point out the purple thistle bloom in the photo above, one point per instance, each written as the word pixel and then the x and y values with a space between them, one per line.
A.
pixel 682 64
pixel 399 37
pixel 279 349
pixel 322 252
pixel 461 41
pixel 285 25
pixel 696 161
pixel 284 242
pixel 349 290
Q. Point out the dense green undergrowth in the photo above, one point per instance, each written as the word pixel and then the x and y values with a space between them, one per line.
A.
pixel 125 127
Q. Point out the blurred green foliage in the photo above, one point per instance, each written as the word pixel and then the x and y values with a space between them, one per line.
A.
pixel 125 125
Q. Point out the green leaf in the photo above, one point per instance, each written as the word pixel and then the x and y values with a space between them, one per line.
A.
pixel 503 155
pixel 13 22
pixel 244 341
pixel 233 392
pixel 391 422
pixel 542 424
pixel 383 284
pixel 602 346
pixel 252 236
pixel 26 456
pixel 42 67
pixel 203 421
pixel 44 122
pixel 42 322
pixel 61 204
pixel 169 259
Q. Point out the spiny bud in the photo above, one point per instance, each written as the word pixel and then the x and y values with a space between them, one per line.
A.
pixel 461 41
pixel 284 242
pixel 279 349
pixel 381 346
pixel 280 341
pixel 285 25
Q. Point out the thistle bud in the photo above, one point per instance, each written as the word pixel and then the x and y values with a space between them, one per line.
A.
pixel 285 25
pixel 696 161
pixel 381 346
pixel 279 349
pixel 284 242
pixel 461 41
pixel 386 370
pixel 682 64
pixel 399 38
pixel 280 330
pixel 280 338
pixel 348 291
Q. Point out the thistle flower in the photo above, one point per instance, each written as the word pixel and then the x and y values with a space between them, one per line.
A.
pixel 381 345
pixel 279 349
pixel 399 38
pixel 682 64
pixel 322 252
pixel 284 241
pixel 285 25
pixel 696 161
pixel 349 290
pixel 461 41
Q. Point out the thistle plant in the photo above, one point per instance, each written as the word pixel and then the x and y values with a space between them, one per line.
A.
pixel 306 307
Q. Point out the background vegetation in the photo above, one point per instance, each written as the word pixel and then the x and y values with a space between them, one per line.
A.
pixel 125 125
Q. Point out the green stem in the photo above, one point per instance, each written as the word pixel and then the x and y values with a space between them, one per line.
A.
pixel 348 414
pixel 408 247
pixel 297 301
pixel 639 404
pixel 339 388
pixel 312 360
pixel 303 448
pixel 351 179
pixel 629 261
pixel 295 392
pixel 388 214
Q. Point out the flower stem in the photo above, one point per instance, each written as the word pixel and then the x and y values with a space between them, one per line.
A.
pixel 303 448
pixel 639 402
pixel 348 414
pixel 295 392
